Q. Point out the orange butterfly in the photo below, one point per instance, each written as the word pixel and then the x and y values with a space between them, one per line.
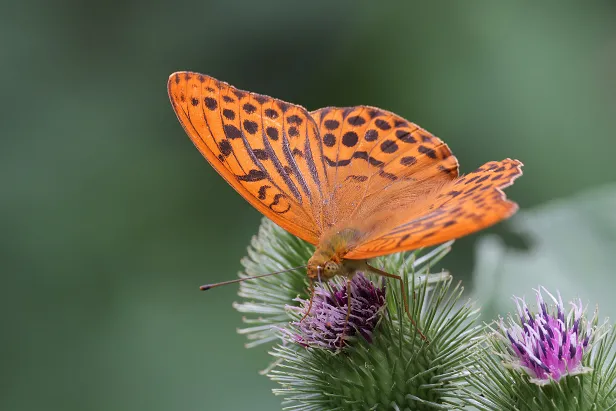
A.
pixel 357 182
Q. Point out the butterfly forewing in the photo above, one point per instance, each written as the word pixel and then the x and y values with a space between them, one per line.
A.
pixel 265 148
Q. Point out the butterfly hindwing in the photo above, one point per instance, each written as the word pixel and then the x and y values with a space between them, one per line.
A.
pixel 266 149
pixel 464 206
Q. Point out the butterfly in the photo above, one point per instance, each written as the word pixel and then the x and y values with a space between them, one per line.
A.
pixel 356 182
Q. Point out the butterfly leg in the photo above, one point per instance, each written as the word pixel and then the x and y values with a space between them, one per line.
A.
pixel 404 297
pixel 310 303
pixel 348 314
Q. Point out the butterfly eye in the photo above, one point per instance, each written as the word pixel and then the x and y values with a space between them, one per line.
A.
pixel 330 266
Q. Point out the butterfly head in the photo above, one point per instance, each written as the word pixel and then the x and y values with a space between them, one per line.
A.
pixel 323 266
pixel 320 269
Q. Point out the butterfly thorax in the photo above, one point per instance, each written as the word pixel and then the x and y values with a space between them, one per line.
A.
pixel 328 259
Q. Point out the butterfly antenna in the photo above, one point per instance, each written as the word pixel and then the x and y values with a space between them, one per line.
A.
pixel 239 280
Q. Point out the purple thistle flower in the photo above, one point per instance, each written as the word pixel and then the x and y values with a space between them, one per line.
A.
pixel 326 324
pixel 547 345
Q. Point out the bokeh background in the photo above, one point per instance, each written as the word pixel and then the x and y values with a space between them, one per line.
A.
pixel 110 219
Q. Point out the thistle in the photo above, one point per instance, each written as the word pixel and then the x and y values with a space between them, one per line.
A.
pixel 324 320
pixel 547 346
pixel 546 360
pixel 377 359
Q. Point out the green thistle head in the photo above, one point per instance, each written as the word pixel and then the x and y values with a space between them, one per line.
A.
pixel 384 364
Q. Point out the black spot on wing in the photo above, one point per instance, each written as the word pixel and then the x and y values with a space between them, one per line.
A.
pixel 400 123
pixel 293 131
pixel 382 124
pixel 408 161
pixel 427 151
pixel 388 176
pixel 331 124
pixel 253 175
pixel 225 147
pixel 294 119
pixel 232 132
pixel 329 140
pixel 250 126
pixel 249 108
pixel 350 138
pixel 269 113
pixel 283 106
pixel 229 114
pixel 272 133
pixel 259 98
pixel 374 113
pixel 405 136
pixel 210 103
pixel 389 146
pixel 260 154
pixel 371 135
pixel 262 191
pixel 357 178
pixel 356 120
pixel 239 94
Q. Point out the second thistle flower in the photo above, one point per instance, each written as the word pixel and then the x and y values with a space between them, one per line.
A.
pixel 547 345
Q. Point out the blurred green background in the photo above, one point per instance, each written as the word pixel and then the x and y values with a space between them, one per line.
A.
pixel 111 218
